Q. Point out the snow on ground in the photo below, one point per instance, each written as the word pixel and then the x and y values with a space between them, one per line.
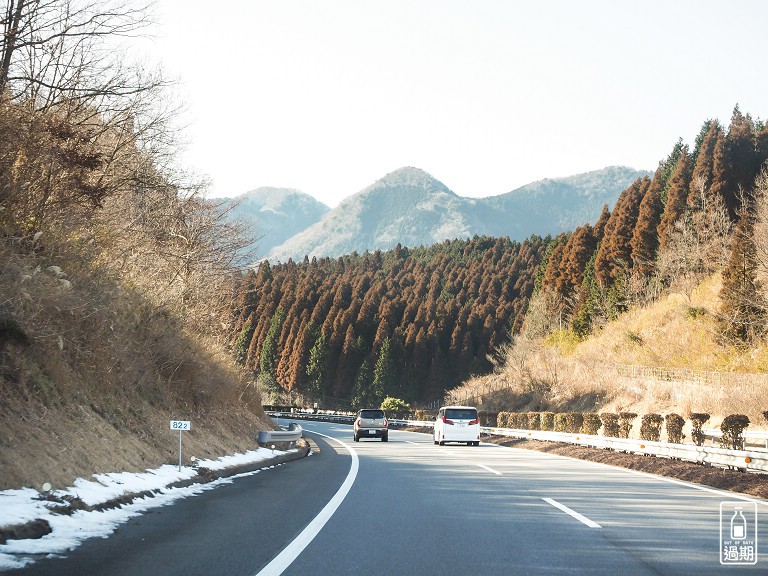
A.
pixel 23 505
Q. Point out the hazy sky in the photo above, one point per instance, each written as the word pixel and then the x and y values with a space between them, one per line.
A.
pixel 327 96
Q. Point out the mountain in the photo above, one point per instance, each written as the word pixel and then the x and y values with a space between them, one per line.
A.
pixel 407 206
pixel 554 205
pixel 410 207
pixel 276 214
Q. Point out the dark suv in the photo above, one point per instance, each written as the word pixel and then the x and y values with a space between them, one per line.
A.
pixel 371 423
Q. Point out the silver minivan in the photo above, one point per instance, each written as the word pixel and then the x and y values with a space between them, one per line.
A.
pixel 457 424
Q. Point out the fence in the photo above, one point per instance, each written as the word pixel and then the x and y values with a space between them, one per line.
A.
pixel 741 459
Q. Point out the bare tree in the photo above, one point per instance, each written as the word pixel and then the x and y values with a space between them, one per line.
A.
pixel 56 49
pixel 761 224
pixel 699 244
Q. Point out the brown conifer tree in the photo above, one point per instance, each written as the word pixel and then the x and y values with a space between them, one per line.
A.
pixel 645 239
pixel 677 195
pixel 703 171
pixel 614 254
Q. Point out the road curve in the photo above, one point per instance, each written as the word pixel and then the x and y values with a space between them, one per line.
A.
pixel 417 508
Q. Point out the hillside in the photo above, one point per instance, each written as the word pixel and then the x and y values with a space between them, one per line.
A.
pixel 664 357
pixel 411 208
pixel 409 323
pixel 115 276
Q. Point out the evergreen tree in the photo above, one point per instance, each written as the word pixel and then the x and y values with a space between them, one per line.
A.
pixel 703 171
pixel 361 391
pixel 269 350
pixel 614 254
pixel 677 194
pixel 383 374
pixel 645 239
pixel 599 228
pixel 316 368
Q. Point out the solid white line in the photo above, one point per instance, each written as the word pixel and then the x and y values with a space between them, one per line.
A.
pixel 280 562
pixel 573 513
pixel 483 466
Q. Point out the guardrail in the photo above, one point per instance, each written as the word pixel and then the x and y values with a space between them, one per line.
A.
pixel 741 459
pixel 293 434
pixel 716 434
pixel 708 455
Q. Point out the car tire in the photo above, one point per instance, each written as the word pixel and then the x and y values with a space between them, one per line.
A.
pixel 357 438
pixel 385 438
pixel 441 443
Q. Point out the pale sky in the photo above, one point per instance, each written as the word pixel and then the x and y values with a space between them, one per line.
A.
pixel 327 96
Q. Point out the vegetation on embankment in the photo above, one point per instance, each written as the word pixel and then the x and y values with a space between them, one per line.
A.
pixel 116 276
pixel 666 357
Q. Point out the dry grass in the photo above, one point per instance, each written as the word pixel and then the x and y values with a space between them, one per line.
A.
pixel 565 374
pixel 91 373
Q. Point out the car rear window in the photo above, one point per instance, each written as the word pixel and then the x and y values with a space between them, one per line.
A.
pixel 378 414
pixel 461 414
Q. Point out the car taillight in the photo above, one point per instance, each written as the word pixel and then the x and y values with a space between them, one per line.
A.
pixel 359 422
pixel 475 421
pixel 385 423
pixel 446 421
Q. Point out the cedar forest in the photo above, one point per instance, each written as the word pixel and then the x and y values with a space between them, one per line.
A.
pixel 413 323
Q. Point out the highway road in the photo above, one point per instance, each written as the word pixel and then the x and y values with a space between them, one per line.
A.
pixel 412 508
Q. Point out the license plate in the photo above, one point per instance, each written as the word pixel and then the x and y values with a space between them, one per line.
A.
pixel 371 431
pixel 461 425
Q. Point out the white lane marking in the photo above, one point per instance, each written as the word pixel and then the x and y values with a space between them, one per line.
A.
pixel 414 443
pixel 573 513
pixel 484 467
pixel 280 562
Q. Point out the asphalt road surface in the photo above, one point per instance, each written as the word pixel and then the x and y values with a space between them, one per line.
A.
pixel 408 507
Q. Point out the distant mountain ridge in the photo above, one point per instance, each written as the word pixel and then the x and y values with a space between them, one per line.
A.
pixel 276 214
pixel 412 208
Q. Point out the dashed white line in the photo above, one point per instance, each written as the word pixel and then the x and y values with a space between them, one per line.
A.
pixel 280 562
pixel 491 470
pixel 573 513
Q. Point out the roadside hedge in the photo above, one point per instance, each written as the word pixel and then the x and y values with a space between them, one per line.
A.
pixel 674 425
pixel 620 425
pixel 698 419
pixel 650 428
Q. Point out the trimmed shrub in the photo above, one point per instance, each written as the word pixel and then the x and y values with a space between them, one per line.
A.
pixel 675 423
pixel 733 427
pixel 592 423
pixel 547 421
pixel 534 420
pixel 625 423
pixel 610 424
pixel 573 422
pixel 560 422
pixel 650 427
pixel 698 419
pixel 487 418
pixel 501 420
